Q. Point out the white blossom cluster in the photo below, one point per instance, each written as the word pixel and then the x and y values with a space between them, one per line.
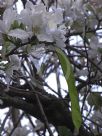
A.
pixel 36 20
pixel 48 26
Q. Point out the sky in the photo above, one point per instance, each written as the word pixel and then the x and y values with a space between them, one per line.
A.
pixel 19 6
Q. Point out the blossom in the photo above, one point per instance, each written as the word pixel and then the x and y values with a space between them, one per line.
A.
pixel 68 5
pixel 54 18
pixel 6 3
pixel 19 33
pixel 33 17
pixel 41 22
pixel 37 21
pixel 37 50
pixel 59 38
pixel 9 16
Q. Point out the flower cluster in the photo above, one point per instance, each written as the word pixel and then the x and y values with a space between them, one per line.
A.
pixel 36 26
pixel 34 20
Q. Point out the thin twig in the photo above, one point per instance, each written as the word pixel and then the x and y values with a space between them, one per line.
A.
pixel 43 115
pixel 16 124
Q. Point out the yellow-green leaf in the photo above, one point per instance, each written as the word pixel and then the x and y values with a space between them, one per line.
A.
pixel 69 76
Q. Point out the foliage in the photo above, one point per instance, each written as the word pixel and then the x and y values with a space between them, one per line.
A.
pixel 68 73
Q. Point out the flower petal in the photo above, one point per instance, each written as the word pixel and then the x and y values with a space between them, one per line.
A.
pixel 18 33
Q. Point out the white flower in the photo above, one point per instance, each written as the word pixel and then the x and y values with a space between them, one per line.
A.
pixel 40 8
pixel 54 18
pixel 32 17
pixel 35 8
pixel 65 4
pixel 41 22
pixel 33 20
pixel 9 17
pixel 37 50
pixel 29 5
pixel 19 33
pixel 7 3
pixel 25 18
pixel 59 38
pixel 45 37
pixel 68 4
pixel 37 21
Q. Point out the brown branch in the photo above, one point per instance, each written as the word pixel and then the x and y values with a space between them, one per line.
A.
pixel 43 115
pixel 56 112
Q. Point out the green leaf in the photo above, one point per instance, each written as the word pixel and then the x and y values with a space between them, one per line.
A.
pixel 69 76
pixel 42 68
pixel 16 25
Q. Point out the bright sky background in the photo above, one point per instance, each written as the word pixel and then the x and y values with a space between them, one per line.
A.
pixel 19 6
